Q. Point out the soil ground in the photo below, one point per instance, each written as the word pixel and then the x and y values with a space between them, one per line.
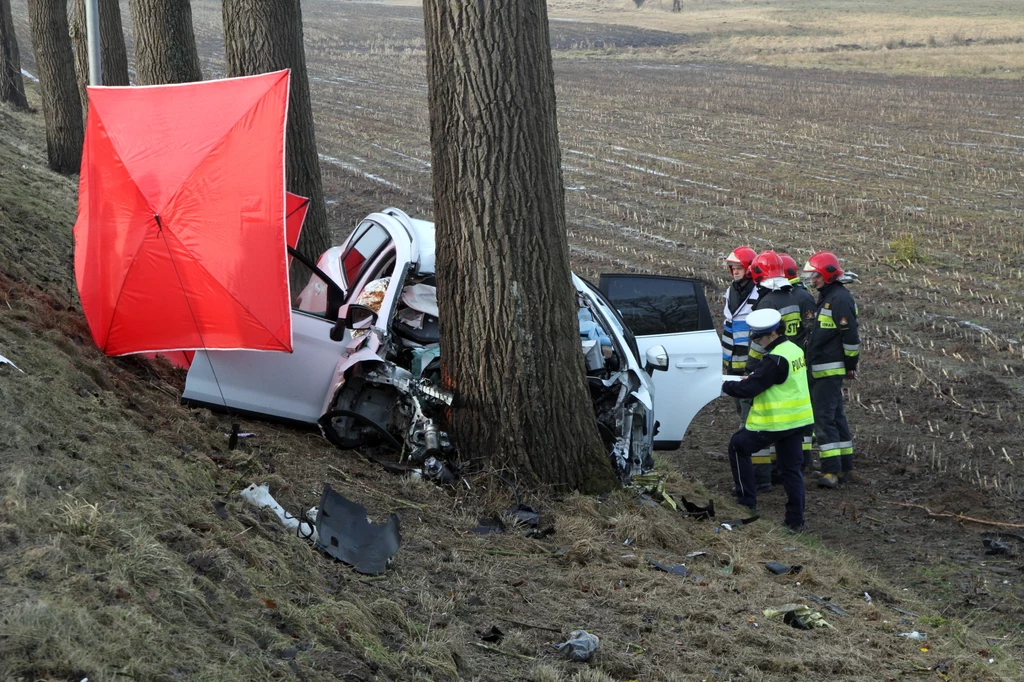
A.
pixel 114 561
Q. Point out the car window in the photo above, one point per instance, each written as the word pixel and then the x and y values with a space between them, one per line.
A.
pixel 654 305
pixel 367 243
pixel 313 294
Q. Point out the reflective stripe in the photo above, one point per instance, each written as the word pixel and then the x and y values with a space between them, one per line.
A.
pixel 846 451
pixel 830 446
pixel 742 359
pixel 846 443
pixel 761 459
pixel 789 310
pixel 828 369
pixel 806 445
pixel 827 312
pixel 825 454
pixel 851 347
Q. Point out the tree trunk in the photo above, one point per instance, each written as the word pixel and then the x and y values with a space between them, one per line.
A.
pixel 262 36
pixel 509 330
pixel 165 45
pixel 62 109
pixel 113 56
pixel 12 86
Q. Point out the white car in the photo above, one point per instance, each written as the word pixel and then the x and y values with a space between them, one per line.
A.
pixel 364 365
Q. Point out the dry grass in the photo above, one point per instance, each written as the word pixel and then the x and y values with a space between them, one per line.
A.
pixel 112 558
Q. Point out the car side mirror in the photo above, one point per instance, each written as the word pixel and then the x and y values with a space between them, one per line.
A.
pixel 352 316
pixel 656 359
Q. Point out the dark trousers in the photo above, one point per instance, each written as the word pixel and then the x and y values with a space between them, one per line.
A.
pixel 789 451
pixel 835 444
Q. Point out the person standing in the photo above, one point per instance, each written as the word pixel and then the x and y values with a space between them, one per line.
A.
pixel 739 302
pixel 808 311
pixel 774 291
pixel 833 350
pixel 780 409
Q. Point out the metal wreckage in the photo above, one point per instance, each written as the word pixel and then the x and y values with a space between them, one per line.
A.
pixel 365 363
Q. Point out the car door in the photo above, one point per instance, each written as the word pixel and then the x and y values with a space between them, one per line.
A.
pixel 284 386
pixel 673 312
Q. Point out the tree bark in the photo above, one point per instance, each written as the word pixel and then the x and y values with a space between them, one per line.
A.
pixel 62 109
pixel 262 36
pixel 12 85
pixel 165 44
pixel 509 330
pixel 113 56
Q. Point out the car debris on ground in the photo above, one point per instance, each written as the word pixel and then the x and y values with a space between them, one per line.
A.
pixel 338 526
pixel 580 646
pixel 779 568
pixel 799 616
pixel 5 361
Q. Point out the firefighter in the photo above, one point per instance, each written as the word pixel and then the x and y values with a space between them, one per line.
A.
pixel 833 349
pixel 774 291
pixel 739 302
pixel 781 409
pixel 808 311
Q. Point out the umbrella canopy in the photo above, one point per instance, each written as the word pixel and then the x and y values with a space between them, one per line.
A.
pixel 180 237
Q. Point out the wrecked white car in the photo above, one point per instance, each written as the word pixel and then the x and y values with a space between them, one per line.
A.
pixel 365 360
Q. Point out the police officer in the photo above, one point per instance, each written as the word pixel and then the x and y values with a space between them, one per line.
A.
pixel 808 311
pixel 775 291
pixel 781 409
pixel 833 349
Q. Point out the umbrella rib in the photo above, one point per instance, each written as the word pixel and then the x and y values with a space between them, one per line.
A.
pixel 199 264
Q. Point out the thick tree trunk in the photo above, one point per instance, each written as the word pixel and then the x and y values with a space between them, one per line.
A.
pixel 509 331
pixel 165 44
pixel 266 35
pixel 113 56
pixel 12 86
pixel 62 109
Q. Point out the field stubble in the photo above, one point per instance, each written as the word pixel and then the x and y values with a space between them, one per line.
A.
pixel 914 181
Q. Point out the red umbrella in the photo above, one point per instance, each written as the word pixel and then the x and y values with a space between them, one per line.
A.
pixel 296 215
pixel 180 238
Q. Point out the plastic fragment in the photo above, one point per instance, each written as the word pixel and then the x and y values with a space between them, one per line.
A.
pixel 914 635
pixel 580 645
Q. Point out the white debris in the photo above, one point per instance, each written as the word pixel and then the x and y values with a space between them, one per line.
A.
pixel 259 496
pixel 914 635
pixel 5 361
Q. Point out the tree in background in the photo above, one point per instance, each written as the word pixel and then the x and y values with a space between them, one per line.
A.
pixel 509 329
pixel 62 109
pixel 165 44
pixel 113 57
pixel 266 35
pixel 12 86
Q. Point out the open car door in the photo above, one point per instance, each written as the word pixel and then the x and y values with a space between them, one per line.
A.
pixel 673 312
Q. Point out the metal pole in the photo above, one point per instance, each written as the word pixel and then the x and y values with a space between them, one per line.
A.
pixel 92 36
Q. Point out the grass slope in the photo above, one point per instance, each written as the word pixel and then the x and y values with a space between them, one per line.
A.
pixel 114 562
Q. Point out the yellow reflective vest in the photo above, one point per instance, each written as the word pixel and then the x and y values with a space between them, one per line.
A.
pixel 787 405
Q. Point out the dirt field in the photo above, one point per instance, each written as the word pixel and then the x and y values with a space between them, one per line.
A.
pixel 669 163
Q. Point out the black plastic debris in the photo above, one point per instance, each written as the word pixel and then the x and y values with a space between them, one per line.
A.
pixel 782 569
pixel 524 514
pixel 220 509
pixel 674 569
pixel 736 523
pixel 696 511
pixel 792 619
pixel 488 525
pixel 233 438
pixel 825 601
pixel 495 635
pixel 347 535
pixel 995 548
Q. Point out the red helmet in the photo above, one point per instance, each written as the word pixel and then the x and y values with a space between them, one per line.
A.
pixel 767 265
pixel 789 267
pixel 742 255
pixel 825 264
